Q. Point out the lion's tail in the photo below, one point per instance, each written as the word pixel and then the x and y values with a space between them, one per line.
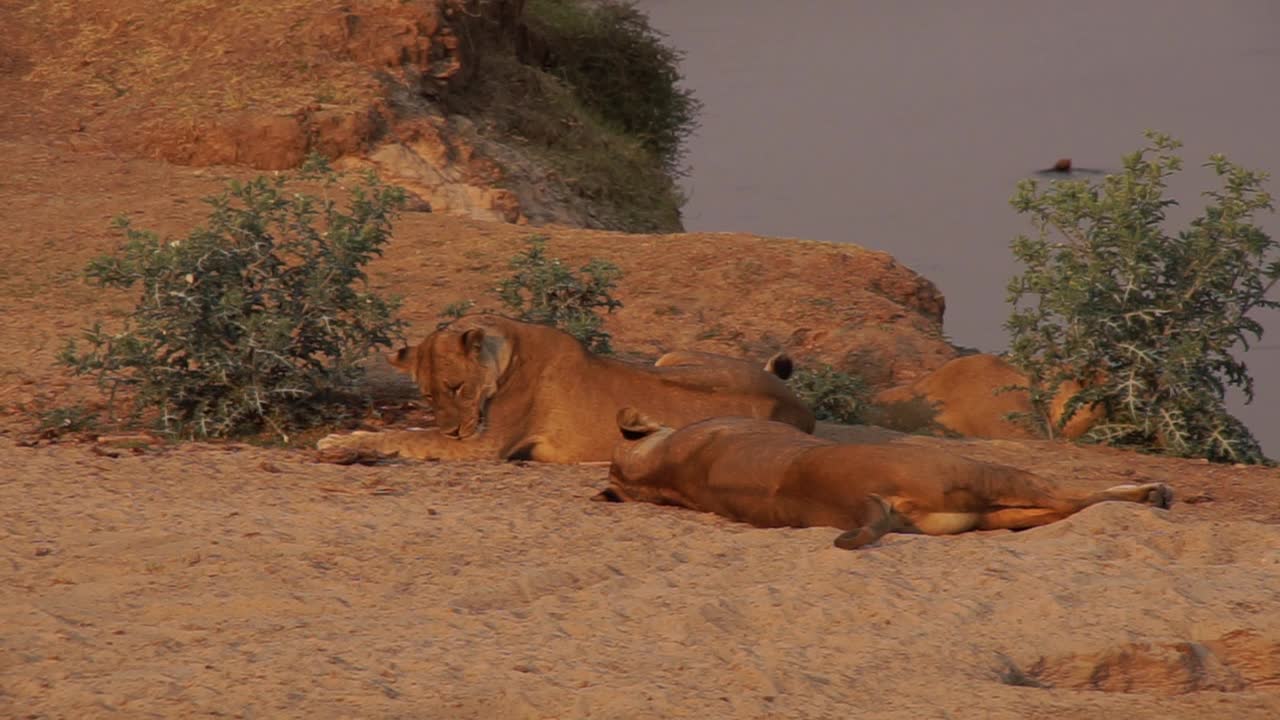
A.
pixel 781 365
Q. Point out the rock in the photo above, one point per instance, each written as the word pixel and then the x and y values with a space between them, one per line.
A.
pixel 270 142
pixel 730 293
pixel 439 164
pixel 334 133
pixel 348 82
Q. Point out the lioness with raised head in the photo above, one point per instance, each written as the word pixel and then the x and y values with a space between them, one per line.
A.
pixel 770 475
pixel 503 389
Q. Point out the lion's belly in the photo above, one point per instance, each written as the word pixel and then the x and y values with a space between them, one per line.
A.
pixel 942 523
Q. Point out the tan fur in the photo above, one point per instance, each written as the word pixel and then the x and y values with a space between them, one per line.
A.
pixel 779 364
pixel 503 389
pixel 770 475
pixel 962 397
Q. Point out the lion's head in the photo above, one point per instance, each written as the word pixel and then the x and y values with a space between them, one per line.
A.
pixel 636 454
pixel 458 370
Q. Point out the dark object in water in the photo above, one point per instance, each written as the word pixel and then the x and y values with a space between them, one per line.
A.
pixel 1063 166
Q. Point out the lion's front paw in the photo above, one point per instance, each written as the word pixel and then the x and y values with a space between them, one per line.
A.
pixel 357 448
pixel 348 440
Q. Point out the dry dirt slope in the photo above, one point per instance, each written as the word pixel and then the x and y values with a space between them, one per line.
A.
pixel 722 292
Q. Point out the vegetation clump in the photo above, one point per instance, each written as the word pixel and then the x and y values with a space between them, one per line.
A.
pixel 602 105
pixel 834 396
pixel 255 321
pixel 621 69
pixel 1149 321
pixel 543 290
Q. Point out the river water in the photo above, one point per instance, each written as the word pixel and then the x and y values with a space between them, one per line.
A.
pixel 903 125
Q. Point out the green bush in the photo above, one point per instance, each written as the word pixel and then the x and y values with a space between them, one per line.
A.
pixel 256 320
pixel 542 290
pixel 621 69
pixel 1148 321
pixel 833 396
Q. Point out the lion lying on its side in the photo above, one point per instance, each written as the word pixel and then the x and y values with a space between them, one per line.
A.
pixel 503 389
pixel 961 398
pixel 771 475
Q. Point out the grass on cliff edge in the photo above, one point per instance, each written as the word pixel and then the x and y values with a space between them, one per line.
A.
pixel 602 105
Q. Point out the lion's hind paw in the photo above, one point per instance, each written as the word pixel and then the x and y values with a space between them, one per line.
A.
pixel 1159 495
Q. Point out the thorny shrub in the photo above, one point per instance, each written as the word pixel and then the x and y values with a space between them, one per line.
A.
pixel 1148 321
pixel 542 290
pixel 257 320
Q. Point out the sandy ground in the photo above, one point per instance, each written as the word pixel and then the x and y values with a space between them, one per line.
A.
pixel 244 582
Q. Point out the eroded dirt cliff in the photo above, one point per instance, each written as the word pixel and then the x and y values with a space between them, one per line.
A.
pixel 373 83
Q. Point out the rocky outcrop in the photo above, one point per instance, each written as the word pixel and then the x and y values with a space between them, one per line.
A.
pixel 733 293
pixel 414 51
pixel 436 159
pixel 262 85
pixel 266 142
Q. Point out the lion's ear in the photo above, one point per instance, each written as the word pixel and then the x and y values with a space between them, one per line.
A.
pixel 403 359
pixel 634 424
pixel 473 340
pixel 412 361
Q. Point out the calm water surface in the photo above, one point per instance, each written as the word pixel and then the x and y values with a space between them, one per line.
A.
pixel 903 125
